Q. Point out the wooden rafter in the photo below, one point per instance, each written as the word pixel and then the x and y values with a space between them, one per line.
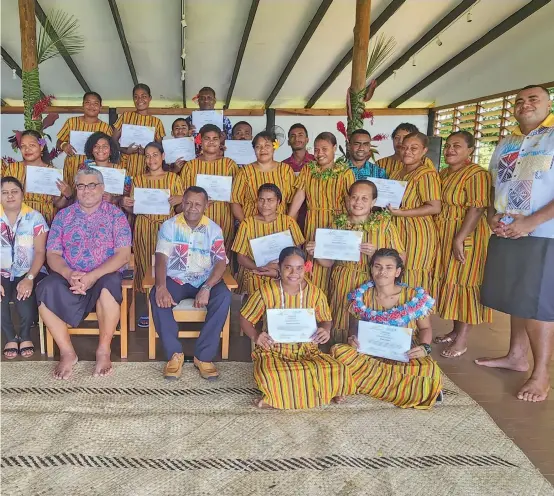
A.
pixel 123 39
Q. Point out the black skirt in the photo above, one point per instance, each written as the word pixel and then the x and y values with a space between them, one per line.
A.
pixel 519 277
pixel 72 308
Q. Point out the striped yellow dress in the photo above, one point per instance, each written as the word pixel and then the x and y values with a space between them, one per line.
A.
pixel 147 226
pixel 325 200
pixel 415 384
pixel 250 178
pixel 252 228
pixel 43 204
pixel 460 283
pixel 218 211
pixel 390 164
pixel 71 164
pixel 347 276
pixel 298 375
pixel 135 164
pixel 419 234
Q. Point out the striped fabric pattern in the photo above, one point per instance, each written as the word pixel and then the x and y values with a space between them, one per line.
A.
pixel 390 164
pixel 252 228
pixel 249 180
pixel 295 376
pixel 415 384
pixel 147 226
pixel 325 200
pixel 71 164
pixel 219 211
pixel 459 297
pixel 135 164
pixel 419 234
pixel 37 201
pixel 347 276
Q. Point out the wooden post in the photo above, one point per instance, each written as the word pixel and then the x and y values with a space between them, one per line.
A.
pixel 359 64
pixel 29 61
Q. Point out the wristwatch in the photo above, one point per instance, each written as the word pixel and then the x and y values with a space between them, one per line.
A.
pixel 30 277
pixel 207 287
pixel 426 347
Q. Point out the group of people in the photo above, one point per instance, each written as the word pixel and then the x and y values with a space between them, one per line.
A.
pixel 429 254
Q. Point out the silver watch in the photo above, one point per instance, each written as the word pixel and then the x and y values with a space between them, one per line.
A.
pixel 207 287
pixel 30 277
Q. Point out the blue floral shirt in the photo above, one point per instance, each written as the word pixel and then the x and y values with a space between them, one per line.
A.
pixel 368 171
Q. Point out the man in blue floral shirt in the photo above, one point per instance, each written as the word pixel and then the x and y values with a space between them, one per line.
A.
pixel 360 152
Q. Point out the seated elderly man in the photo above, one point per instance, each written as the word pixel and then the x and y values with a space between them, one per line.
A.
pixel 88 245
pixel 190 262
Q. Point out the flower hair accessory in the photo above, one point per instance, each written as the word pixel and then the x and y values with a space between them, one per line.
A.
pixel 42 142
pixel 275 145
pixel 308 266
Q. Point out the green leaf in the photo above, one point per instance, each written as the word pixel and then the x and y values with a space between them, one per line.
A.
pixel 381 51
pixel 59 36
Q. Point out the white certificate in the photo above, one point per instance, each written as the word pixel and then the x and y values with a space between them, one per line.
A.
pixel 241 151
pixel 42 180
pixel 268 248
pixel 336 244
pixel 217 187
pixel 202 117
pixel 384 341
pixel 136 135
pixel 178 148
pixel 291 325
pixel 151 201
pixel 77 140
pixel 114 179
pixel 389 192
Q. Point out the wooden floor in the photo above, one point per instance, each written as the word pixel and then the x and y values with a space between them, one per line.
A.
pixel 531 426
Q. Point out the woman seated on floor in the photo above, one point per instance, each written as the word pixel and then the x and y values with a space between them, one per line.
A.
pixel 293 375
pixel 267 221
pixel 385 300
pixel 23 253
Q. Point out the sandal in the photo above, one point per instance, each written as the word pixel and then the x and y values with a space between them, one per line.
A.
pixel 143 321
pixel 27 351
pixel 446 339
pixel 11 353
pixel 448 353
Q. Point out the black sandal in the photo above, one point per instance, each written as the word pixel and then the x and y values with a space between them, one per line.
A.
pixel 27 348
pixel 10 350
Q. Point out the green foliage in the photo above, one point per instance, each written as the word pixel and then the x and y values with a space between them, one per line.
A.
pixel 357 105
pixel 381 51
pixel 31 95
pixel 64 29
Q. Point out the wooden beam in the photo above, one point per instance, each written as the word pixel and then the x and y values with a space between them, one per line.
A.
pixel 361 45
pixel 342 112
pixel 425 39
pixel 472 49
pixel 316 20
pixel 55 109
pixel 123 39
pixel 376 25
pixel 188 111
pixel 4 104
pixel 242 48
pixel 41 16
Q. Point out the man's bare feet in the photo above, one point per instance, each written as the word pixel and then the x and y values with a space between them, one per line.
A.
pixel 505 362
pixel 339 399
pixel 64 369
pixel 535 389
pixel 260 403
pixel 103 364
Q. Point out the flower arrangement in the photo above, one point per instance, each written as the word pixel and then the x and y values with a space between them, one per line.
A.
pixel 371 224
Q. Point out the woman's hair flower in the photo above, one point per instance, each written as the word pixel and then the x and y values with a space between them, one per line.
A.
pixel 198 139
pixel 308 266
pixel 275 145
pixel 42 142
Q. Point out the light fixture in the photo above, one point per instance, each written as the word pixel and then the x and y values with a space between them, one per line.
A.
pixel 183 22
pixel 183 75
pixel 14 74
pixel 439 42
pixel 469 19
pixel 394 74
pixel 183 54
pixel 413 61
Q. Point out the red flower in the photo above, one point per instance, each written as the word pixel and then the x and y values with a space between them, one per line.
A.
pixel 368 114
pixel 341 128
pixel 198 139
pixel 380 137
pixel 308 266
pixel 41 105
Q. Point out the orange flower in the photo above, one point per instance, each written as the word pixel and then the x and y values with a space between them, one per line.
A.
pixel 308 266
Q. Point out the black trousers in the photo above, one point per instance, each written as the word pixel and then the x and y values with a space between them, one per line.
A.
pixel 26 309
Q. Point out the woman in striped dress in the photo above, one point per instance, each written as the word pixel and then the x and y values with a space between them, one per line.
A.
pixel 385 300
pixel 294 375
pixel 35 153
pixel 464 236
pixel 147 226
pixel 212 163
pixel 267 221
pixel 88 122
pixel 132 157
pixel 415 217
pixel 264 170
pixel 323 184
pixel 378 232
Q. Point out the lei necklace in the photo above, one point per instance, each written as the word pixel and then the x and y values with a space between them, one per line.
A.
pixel 340 166
pixel 418 307
pixel 370 224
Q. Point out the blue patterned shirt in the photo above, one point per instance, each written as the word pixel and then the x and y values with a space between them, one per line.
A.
pixel 368 171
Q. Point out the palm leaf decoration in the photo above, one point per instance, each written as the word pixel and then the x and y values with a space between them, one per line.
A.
pixel 59 36
pixel 380 52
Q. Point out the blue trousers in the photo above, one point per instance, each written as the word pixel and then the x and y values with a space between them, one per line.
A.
pixel 207 343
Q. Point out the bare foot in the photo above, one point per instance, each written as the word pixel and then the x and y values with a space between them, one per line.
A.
pixel 103 365
pixel 339 399
pixel 534 390
pixel 64 369
pixel 505 362
pixel 260 403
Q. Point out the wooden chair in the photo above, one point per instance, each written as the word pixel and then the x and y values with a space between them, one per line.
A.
pixel 185 312
pixel 127 286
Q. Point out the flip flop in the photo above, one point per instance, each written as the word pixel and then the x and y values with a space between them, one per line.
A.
pixel 27 348
pixel 143 322
pixel 446 339
pixel 446 353
pixel 10 350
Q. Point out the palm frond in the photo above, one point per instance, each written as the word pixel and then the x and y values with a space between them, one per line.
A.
pixel 60 28
pixel 381 50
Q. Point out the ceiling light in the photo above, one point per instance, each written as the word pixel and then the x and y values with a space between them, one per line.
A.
pixel 439 42
pixel 413 62
pixel 469 19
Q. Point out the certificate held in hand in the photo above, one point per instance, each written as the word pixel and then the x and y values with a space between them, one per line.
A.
pixel 241 151
pixel 114 179
pixel 178 148
pixel 384 341
pixel 336 244
pixel 217 187
pixel 266 249
pixel 42 180
pixel 136 135
pixel 202 117
pixel 389 192
pixel 291 325
pixel 151 201
pixel 77 140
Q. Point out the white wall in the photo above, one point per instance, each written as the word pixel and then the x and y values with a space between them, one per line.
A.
pixel 314 124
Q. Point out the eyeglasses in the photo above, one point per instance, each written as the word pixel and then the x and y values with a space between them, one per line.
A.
pixel 89 186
